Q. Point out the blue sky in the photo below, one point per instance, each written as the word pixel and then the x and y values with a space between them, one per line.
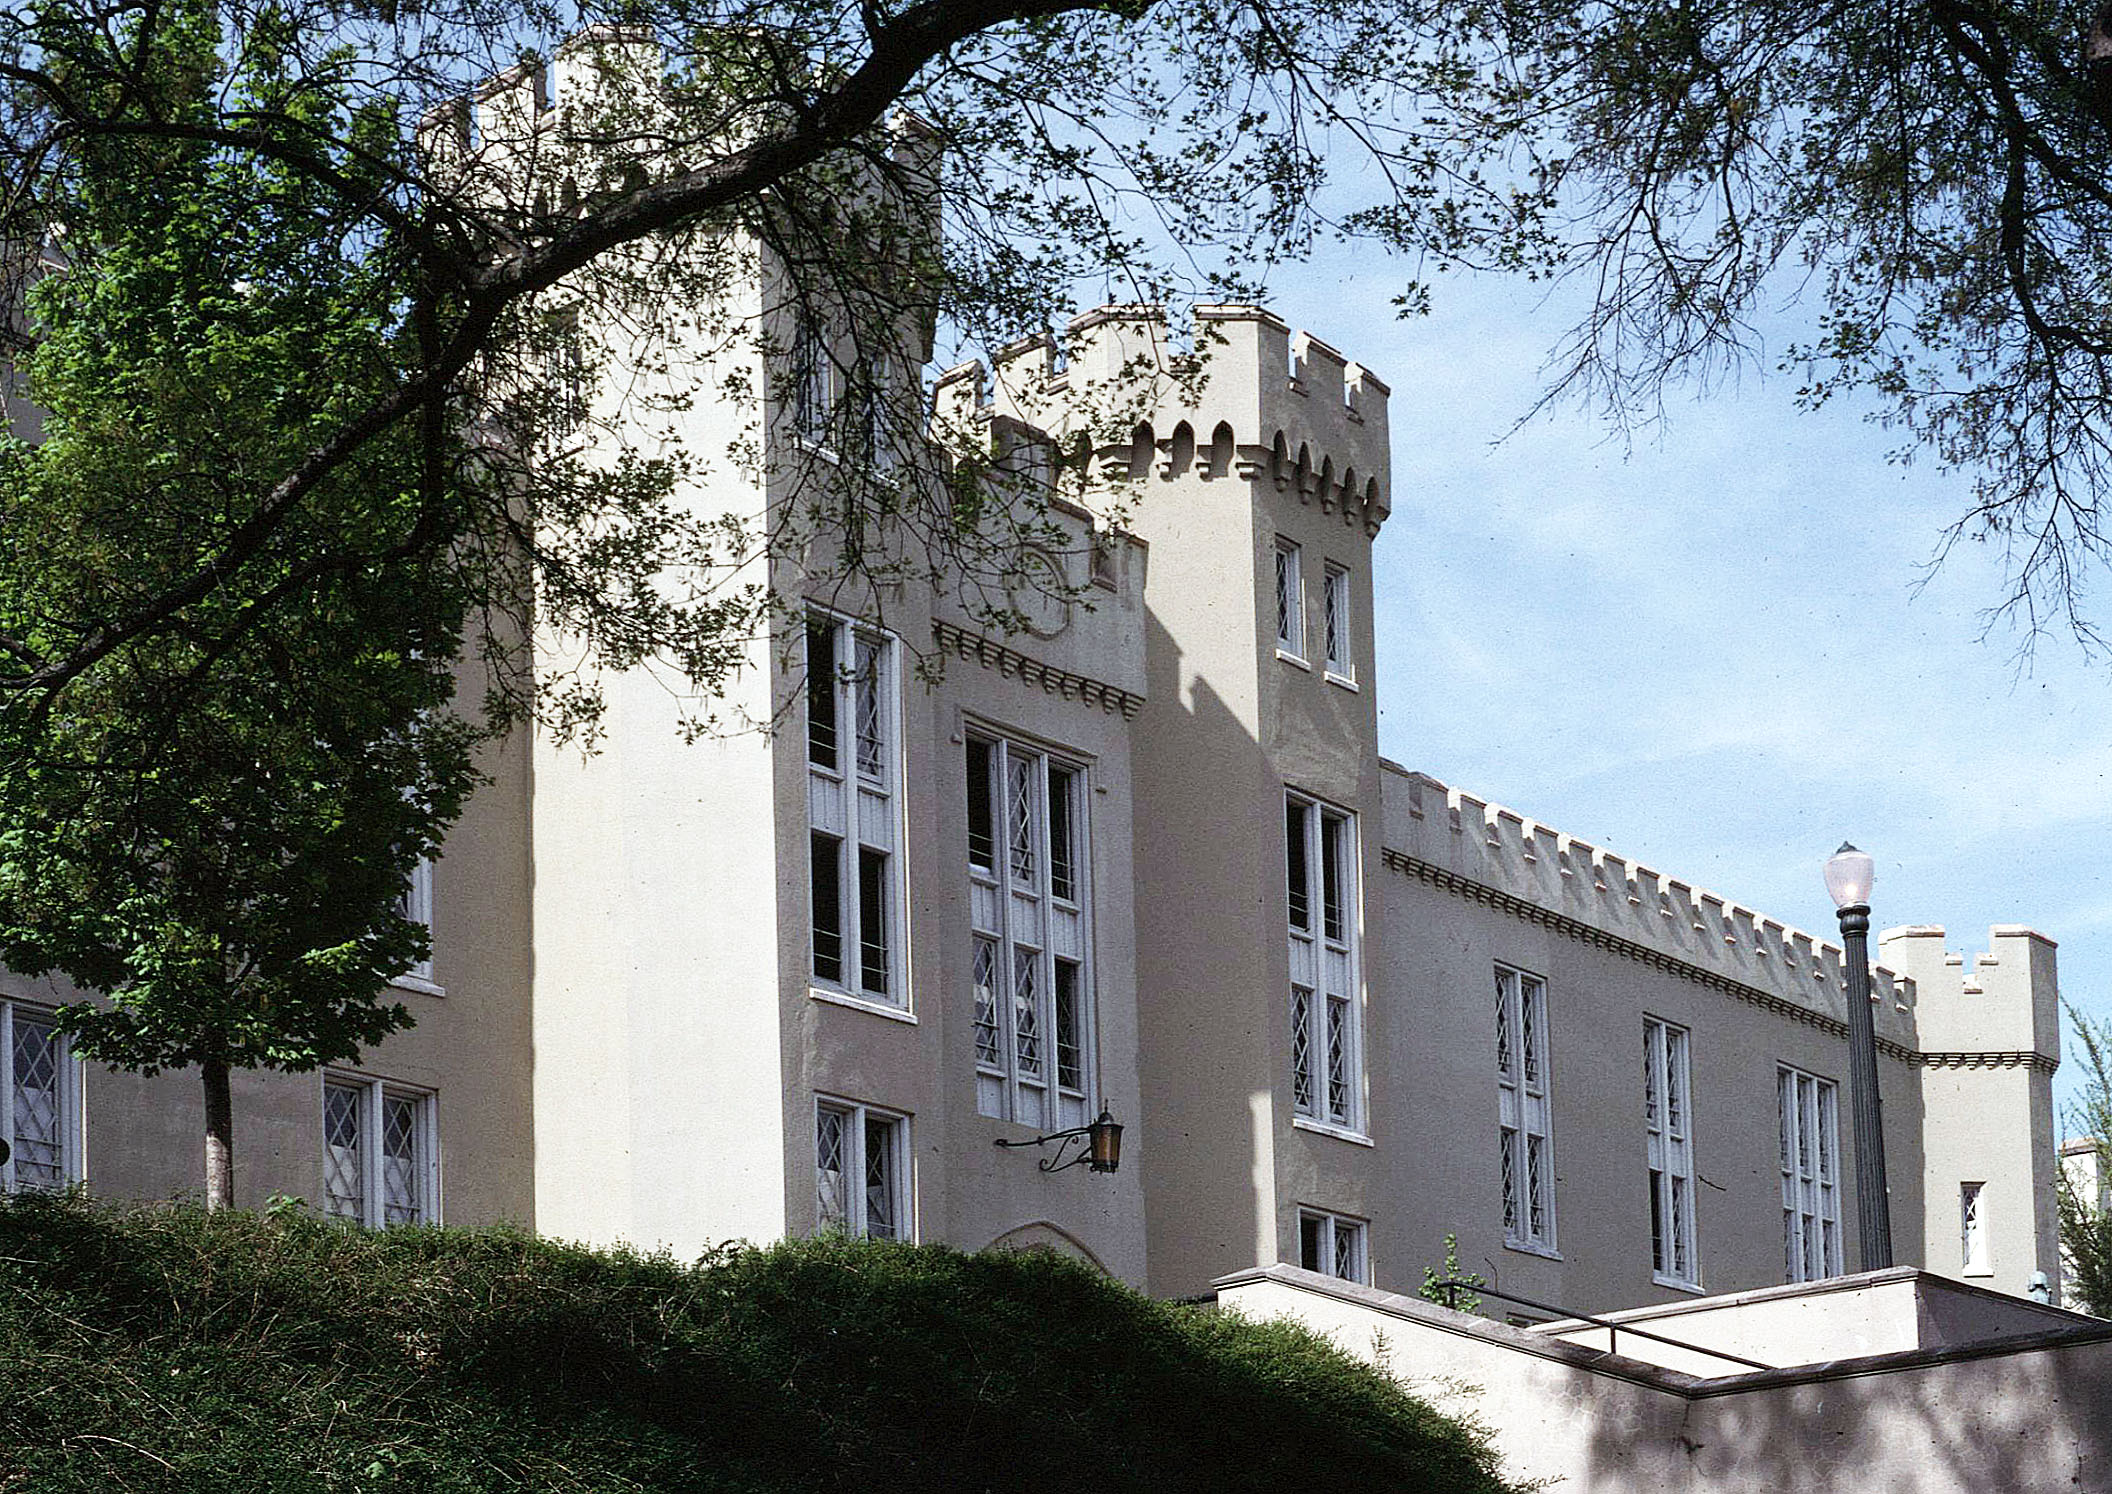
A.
pixel 1707 650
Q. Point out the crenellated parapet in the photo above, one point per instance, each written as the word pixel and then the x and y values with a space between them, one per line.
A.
pixel 1251 402
pixel 2000 1007
pixel 1491 854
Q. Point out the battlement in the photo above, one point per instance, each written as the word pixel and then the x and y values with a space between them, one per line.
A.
pixel 2003 1001
pixel 1454 832
pixel 1251 401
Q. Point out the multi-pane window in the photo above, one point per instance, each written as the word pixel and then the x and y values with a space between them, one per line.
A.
pixel 1668 1120
pixel 1972 1231
pixel 1332 1245
pixel 1290 600
pixel 1808 1130
pixel 416 905
pixel 1335 623
pixel 38 1105
pixel 381 1158
pixel 812 385
pixel 1320 887
pixel 853 770
pixel 861 1169
pixel 1525 1124
pixel 1029 967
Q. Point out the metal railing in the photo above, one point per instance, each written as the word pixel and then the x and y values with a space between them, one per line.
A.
pixel 1452 1289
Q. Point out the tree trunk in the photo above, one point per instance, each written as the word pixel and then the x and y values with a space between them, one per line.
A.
pixel 219 1136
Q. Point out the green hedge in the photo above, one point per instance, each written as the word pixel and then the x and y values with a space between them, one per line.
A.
pixel 159 1349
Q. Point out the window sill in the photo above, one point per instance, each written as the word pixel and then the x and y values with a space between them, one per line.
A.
pixel 1290 658
pixel 1674 1284
pixel 859 1004
pixel 419 983
pixel 1986 1274
pixel 1324 1128
pixel 1545 1252
pixel 1347 682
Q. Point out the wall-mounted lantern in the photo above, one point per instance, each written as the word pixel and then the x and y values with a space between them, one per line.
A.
pixel 1100 1146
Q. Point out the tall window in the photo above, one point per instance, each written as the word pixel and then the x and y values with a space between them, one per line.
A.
pixel 381 1158
pixel 1972 1230
pixel 1335 599
pixel 1811 1195
pixel 1668 1120
pixel 1320 886
pixel 1027 898
pixel 853 768
pixel 1332 1245
pixel 861 1168
pixel 1290 600
pixel 1525 1125
pixel 39 1104
pixel 416 905
pixel 811 382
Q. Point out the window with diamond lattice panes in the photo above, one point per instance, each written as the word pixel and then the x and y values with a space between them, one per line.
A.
pixel 853 811
pixel 860 1171
pixel 1031 933
pixel 39 1105
pixel 1972 1230
pixel 1525 1124
pixel 1335 624
pixel 380 1153
pixel 1290 600
pixel 1320 902
pixel 1808 1136
pixel 1668 1129
pixel 1333 1245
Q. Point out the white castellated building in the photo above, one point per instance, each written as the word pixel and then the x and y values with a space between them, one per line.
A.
pixel 1141 855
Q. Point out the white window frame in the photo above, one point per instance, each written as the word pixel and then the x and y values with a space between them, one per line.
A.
pixel 1975 1259
pixel 856 802
pixel 1525 1111
pixel 416 905
pixel 1343 1245
pixel 1290 600
pixel 65 1100
pixel 1668 1124
pixel 1325 1014
pixel 1337 648
pixel 1807 1110
pixel 370 1095
pixel 1028 927
pixel 855 1216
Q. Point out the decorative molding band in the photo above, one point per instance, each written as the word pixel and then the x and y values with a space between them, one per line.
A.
pixel 1584 933
pixel 1007 661
pixel 2038 1061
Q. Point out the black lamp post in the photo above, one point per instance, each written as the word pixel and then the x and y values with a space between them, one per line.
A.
pixel 1848 877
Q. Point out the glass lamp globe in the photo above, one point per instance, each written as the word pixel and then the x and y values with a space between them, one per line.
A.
pixel 1848 877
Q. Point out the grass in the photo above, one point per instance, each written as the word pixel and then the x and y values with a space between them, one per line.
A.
pixel 160 1349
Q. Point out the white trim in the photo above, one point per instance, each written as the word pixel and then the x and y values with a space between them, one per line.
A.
pixel 68 1120
pixel 420 986
pixel 848 804
pixel 1329 1244
pixel 1807 1122
pixel 1335 619
pixel 1322 1128
pixel 1668 1134
pixel 851 1163
pixel 1030 933
pixel 1525 1111
pixel 862 1004
pixel 1324 962
pixel 1289 594
pixel 370 1096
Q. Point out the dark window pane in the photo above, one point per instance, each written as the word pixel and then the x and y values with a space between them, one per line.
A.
pixel 824 855
pixel 1331 853
pixel 1657 1223
pixel 1070 1054
pixel 1063 875
pixel 982 823
pixel 1297 880
pixel 872 920
pixel 821 694
pixel 1309 1253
